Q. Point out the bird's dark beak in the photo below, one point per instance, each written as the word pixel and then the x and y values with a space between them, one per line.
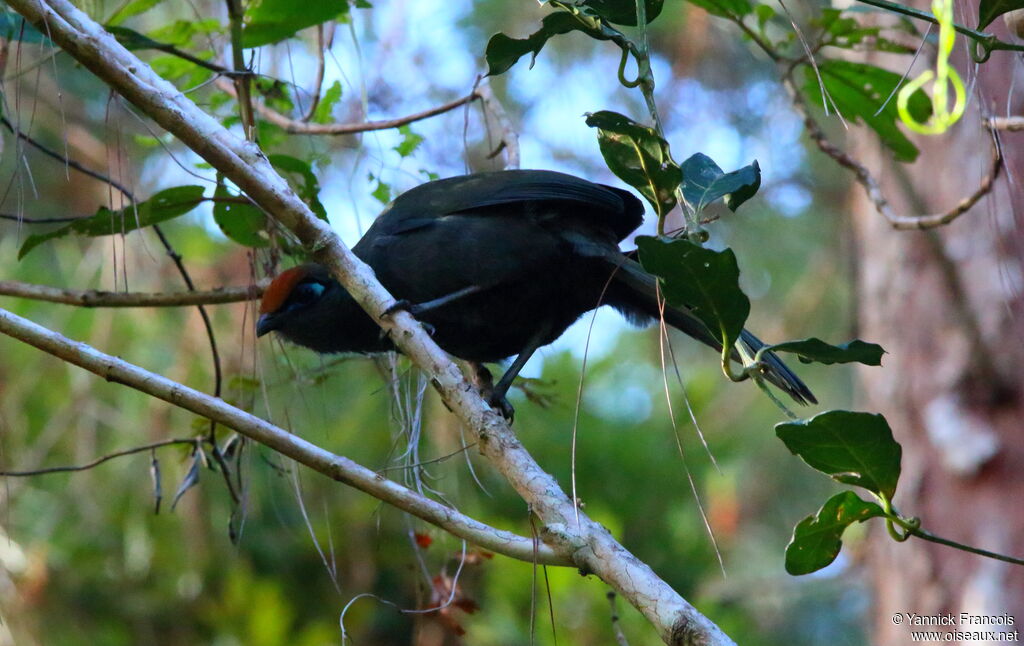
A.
pixel 266 323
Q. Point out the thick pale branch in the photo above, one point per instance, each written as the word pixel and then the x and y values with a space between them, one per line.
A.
pixel 333 466
pixel 593 548
pixel 99 298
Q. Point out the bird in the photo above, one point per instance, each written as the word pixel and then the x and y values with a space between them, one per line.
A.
pixel 495 265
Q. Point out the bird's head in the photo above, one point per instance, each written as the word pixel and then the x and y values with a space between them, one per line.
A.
pixel 293 299
pixel 306 306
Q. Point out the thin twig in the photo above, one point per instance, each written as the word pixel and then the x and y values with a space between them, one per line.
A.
pixel 509 138
pixel 100 298
pixel 98 461
pixel 299 127
pixel 870 184
pixel 334 466
pixel 1011 124
pixel 321 66
pixel 620 637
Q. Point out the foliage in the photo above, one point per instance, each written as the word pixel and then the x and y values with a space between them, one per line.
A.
pixel 305 547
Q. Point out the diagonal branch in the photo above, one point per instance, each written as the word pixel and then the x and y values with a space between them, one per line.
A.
pixel 333 466
pixel 100 298
pixel 592 547
pixel 870 184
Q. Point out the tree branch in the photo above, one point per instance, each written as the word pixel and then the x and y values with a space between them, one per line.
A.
pixel 1005 123
pixel 99 298
pixel 299 127
pixel 566 529
pixel 100 460
pixel 333 466
pixel 870 184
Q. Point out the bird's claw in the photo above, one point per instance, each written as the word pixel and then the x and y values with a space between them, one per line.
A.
pixel 501 403
pixel 401 305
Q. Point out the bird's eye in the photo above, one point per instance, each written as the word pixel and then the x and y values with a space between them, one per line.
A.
pixel 306 293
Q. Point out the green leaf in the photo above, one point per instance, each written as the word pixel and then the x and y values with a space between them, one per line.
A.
pixel 703 280
pixel 764 13
pixel 181 33
pixel 853 448
pixel 410 142
pixel 133 8
pixel 816 350
pixel 503 51
pixel 725 8
pixel 323 111
pixel 242 222
pixel 639 157
pixel 817 539
pixel 859 91
pixel 382 193
pixel 623 12
pixel 704 182
pixel 841 30
pixel 271 21
pixel 165 205
pixel 307 185
pixel 989 10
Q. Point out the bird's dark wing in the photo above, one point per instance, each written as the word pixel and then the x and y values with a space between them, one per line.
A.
pixel 501 192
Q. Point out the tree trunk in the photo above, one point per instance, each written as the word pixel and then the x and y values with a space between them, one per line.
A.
pixel 947 305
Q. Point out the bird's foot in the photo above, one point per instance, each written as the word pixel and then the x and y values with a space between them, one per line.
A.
pixel 402 305
pixel 412 308
pixel 501 403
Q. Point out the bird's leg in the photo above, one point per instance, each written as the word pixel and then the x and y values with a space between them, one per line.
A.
pixel 484 382
pixel 419 308
pixel 498 394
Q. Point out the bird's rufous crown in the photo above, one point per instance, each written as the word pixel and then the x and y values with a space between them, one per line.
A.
pixel 278 290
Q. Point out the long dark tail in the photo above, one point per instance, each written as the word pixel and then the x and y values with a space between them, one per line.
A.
pixel 633 292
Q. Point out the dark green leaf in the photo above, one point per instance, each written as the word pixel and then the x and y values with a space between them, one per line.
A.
pixel 854 448
pixel 242 222
pixel 989 10
pixel 704 182
pixel 623 12
pixel 841 30
pixel 704 280
pixel 131 39
pixel 133 8
pixel 181 33
pixel 764 13
pixel 410 142
pixel 813 349
pixel 639 157
pixel 725 8
pixel 817 539
pixel 270 21
pixel 307 186
pixel 503 51
pixel 322 114
pixel 165 205
pixel 859 91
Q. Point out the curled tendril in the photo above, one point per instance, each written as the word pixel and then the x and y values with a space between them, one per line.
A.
pixel 942 117
pixel 622 71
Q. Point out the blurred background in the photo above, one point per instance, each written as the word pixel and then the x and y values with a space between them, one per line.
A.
pixel 85 560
